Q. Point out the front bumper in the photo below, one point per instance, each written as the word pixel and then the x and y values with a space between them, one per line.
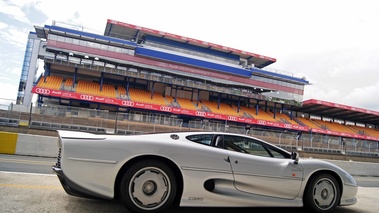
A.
pixel 349 195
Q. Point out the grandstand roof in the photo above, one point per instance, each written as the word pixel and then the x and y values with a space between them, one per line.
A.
pixel 339 111
pixel 42 32
pixel 130 31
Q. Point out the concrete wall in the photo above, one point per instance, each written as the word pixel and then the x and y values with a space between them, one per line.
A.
pixel 47 146
pixel 37 145
pixel 24 144
pixel 358 168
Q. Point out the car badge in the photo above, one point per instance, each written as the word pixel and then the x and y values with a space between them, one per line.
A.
pixel 174 136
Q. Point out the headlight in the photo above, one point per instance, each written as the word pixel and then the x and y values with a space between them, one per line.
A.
pixel 350 179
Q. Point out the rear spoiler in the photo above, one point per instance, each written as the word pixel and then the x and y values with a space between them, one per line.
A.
pixel 64 134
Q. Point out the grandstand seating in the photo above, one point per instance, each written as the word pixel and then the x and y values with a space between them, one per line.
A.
pixel 145 97
pixel 108 90
pixel 366 131
pixel 310 123
pixel 335 127
pixel 240 112
pixel 223 109
pixel 121 90
pixel 262 115
pixel 68 84
pixel 285 119
pixel 92 88
pixel 186 104
pixel 170 100
pixel 52 82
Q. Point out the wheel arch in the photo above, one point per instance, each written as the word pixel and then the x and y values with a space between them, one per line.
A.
pixel 174 167
pixel 334 174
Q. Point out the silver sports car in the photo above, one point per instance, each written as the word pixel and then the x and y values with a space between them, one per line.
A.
pixel 152 172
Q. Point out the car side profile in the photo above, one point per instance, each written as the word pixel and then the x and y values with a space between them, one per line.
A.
pixel 152 172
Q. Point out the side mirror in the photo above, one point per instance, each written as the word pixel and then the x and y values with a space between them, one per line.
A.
pixel 295 157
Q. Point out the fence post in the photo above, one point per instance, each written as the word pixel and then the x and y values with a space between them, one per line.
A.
pixel 115 123
pixel 30 115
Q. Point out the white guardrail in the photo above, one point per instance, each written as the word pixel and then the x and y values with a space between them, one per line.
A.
pixel 45 146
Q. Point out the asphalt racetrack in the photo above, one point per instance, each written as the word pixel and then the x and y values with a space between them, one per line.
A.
pixel 27 185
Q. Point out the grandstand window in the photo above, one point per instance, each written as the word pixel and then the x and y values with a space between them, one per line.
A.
pixel 90 44
pixel 98 63
pixel 118 50
pixel 121 68
pixel 97 46
pixel 68 40
pixel 191 52
pixel 127 51
pixel 82 43
pixel 75 41
pixel 104 47
pixel 29 49
pixel 111 48
pixel 24 77
pixel 52 37
pixel 60 38
pixel 110 65
pixel 74 60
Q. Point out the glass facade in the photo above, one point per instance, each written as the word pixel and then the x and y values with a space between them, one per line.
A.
pixel 90 44
pixel 29 68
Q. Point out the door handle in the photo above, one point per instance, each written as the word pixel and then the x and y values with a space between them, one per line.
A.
pixel 227 159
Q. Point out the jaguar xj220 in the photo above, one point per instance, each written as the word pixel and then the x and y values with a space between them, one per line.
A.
pixel 152 172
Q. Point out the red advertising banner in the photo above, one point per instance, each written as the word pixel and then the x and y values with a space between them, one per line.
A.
pixel 209 115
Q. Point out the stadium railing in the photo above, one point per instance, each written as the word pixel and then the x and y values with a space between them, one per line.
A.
pixel 102 121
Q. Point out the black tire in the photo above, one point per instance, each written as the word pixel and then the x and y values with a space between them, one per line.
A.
pixel 322 193
pixel 148 186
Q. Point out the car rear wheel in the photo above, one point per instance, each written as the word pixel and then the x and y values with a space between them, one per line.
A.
pixel 148 186
pixel 322 194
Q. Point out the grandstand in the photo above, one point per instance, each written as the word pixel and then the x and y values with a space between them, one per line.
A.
pixel 142 72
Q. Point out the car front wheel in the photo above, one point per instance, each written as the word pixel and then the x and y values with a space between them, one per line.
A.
pixel 148 186
pixel 322 194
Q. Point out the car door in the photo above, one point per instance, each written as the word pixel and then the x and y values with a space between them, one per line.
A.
pixel 261 169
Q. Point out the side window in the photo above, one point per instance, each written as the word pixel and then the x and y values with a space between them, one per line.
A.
pixel 277 153
pixel 245 145
pixel 256 148
pixel 235 143
pixel 205 139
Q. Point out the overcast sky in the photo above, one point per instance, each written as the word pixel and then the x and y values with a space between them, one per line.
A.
pixel 333 43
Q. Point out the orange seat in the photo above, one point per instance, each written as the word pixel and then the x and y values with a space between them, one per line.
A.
pixel 52 82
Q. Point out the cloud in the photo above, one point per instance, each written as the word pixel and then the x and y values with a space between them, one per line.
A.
pixel 15 71
pixel 14 36
pixel 13 10
pixel 4 78
pixel 365 96
pixel 8 91
pixel 3 25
